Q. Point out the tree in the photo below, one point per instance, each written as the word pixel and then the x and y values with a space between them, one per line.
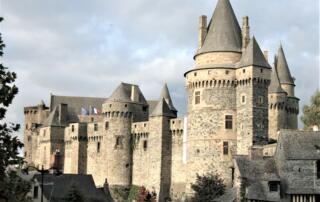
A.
pixel 208 187
pixel 311 113
pixel 12 187
pixel 73 195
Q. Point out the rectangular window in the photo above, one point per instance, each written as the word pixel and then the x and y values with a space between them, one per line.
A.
pixel 243 99
pixel 318 169
pixel 106 125
pixel 35 192
pixel 273 186
pixel 118 142
pixel 225 148
pixel 95 127
pixel 197 97
pixel 72 128
pixel 98 147
pixel 228 122
pixel 144 108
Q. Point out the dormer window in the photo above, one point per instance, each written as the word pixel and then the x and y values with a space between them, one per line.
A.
pixel 273 186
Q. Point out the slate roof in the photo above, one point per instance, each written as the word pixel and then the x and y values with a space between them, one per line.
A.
pixel 253 56
pixel 75 104
pixel 255 172
pixel 57 187
pixel 275 86
pixel 166 95
pixel 224 33
pixel 300 145
pixel 283 68
pixel 162 109
pixel 123 94
pixel 152 104
pixel 53 118
pixel 229 195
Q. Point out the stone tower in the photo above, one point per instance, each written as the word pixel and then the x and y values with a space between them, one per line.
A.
pixel 277 99
pixel 227 95
pixel 253 77
pixel 287 84
pixel 212 96
pixel 34 116
pixel 124 106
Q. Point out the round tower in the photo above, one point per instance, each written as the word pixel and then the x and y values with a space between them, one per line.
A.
pixel 124 106
pixel 212 96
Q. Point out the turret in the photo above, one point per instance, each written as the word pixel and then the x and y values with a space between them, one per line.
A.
pixel 277 102
pixel 253 77
pixel 166 96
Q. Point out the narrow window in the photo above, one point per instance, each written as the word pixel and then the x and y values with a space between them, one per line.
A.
pixel 228 122
pixel 92 119
pixel 35 192
pixel 195 74
pixel 273 186
pixel 261 70
pixel 25 154
pixel 98 147
pixel 243 99
pixel 106 125
pixel 72 128
pixel 197 97
pixel 318 169
pixel 227 71
pixel 243 71
pixel 44 132
pixel 118 142
pixel 260 100
pixel 95 127
pixel 145 145
pixel 225 148
pixel 26 126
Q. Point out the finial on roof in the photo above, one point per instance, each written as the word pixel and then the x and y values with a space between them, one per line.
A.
pixel 224 33
pixel 253 56
pixel 283 68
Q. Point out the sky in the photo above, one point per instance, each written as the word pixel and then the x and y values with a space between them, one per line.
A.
pixel 86 48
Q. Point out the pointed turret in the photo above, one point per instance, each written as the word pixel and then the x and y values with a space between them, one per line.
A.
pixel 275 86
pixel 224 33
pixel 162 109
pixel 283 68
pixel 253 56
pixel 166 96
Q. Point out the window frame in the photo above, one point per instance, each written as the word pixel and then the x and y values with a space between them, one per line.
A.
pixel 35 192
pixel 95 127
pixel 228 122
pixel 98 147
pixel 273 186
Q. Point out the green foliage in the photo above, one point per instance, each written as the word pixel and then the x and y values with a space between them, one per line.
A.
pixel 208 187
pixel 133 194
pixel 12 187
pixel 73 195
pixel 311 113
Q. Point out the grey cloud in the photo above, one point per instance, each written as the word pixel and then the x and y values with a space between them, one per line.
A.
pixel 87 47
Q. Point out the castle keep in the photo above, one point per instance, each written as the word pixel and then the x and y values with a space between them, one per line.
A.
pixel 237 104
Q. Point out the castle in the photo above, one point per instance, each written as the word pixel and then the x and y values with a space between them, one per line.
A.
pixel 237 105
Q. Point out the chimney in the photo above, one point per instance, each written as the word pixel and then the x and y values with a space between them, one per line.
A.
pixel 245 32
pixel 202 29
pixel 266 55
pixel 256 153
pixel 63 113
pixel 134 93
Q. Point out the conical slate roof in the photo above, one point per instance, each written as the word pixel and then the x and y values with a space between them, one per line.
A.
pixel 282 68
pixel 162 109
pixel 120 94
pixel 123 93
pixel 166 95
pixel 275 86
pixel 253 56
pixel 224 33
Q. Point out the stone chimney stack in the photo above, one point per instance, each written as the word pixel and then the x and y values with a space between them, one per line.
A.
pixel 245 32
pixel 134 93
pixel 266 55
pixel 63 113
pixel 202 29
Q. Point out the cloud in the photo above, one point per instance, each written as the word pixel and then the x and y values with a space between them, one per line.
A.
pixel 86 48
